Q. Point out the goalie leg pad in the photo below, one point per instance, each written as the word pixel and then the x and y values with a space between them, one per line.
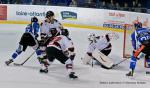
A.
pixel 86 59
pixel 103 59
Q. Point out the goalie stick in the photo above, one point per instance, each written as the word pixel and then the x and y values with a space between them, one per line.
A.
pixel 119 63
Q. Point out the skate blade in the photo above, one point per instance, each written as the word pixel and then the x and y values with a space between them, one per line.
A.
pixel 73 78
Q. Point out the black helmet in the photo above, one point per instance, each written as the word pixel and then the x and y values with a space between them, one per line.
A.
pixel 34 19
pixel 49 14
pixel 54 32
pixel 138 25
pixel 65 32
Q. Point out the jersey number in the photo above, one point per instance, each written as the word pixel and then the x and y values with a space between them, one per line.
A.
pixel 56 39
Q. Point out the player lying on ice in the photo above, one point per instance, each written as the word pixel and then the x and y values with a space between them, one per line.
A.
pixel 99 49
pixel 29 38
pixel 141 47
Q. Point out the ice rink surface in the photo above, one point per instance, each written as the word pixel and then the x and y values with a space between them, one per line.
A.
pixel 28 76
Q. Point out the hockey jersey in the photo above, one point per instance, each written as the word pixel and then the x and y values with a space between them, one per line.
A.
pixel 100 44
pixel 33 29
pixel 138 36
pixel 46 26
pixel 60 42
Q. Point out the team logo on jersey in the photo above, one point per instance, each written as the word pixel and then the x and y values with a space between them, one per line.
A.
pixel 69 15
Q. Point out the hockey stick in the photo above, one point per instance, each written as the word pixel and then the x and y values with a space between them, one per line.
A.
pixel 119 62
pixel 16 64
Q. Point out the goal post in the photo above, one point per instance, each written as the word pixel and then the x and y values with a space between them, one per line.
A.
pixel 127 46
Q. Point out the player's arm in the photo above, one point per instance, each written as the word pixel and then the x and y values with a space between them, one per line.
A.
pixel 60 25
pixel 69 48
pixel 43 31
pixel 133 40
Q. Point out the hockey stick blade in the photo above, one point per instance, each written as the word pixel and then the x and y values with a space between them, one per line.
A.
pixel 17 64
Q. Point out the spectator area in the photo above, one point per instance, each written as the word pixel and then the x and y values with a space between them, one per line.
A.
pixel 125 5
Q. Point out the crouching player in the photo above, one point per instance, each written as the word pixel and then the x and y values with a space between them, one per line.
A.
pixel 141 47
pixel 29 38
pixel 70 51
pixel 54 50
pixel 99 49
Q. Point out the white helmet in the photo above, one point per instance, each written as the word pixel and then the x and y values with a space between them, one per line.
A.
pixel 91 37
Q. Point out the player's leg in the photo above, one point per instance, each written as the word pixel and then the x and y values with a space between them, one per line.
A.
pixel 58 54
pixel 105 52
pixel 15 54
pixel 41 56
pixel 136 55
pixel 147 63
pixel 132 66
pixel 43 60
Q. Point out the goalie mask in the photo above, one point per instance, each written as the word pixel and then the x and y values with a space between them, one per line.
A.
pixel 91 37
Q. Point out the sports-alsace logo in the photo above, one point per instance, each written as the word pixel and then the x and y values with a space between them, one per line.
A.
pixel 69 15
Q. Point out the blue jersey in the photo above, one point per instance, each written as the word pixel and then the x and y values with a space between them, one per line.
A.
pixel 138 36
pixel 33 28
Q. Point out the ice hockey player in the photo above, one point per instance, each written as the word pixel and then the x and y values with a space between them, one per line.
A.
pixel 54 51
pixel 29 38
pixel 70 51
pixel 141 48
pixel 100 43
pixel 46 25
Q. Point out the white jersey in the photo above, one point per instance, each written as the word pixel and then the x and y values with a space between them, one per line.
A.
pixel 100 44
pixel 46 26
pixel 60 42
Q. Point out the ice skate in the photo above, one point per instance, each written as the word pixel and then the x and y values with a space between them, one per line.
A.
pixel 130 73
pixel 44 70
pixel 72 75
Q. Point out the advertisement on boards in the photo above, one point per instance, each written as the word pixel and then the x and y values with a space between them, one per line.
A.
pixel 3 12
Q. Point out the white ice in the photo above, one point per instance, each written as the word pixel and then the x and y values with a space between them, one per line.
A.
pixel 28 76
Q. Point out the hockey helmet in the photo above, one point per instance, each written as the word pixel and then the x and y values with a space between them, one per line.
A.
pixel 65 32
pixel 138 25
pixel 49 14
pixel 54 32
pixel 91 37
pixel 34 19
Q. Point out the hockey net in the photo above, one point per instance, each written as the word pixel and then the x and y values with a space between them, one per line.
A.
pixel 127 45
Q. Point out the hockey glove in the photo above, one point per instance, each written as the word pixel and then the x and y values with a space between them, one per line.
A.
pixel 137 53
